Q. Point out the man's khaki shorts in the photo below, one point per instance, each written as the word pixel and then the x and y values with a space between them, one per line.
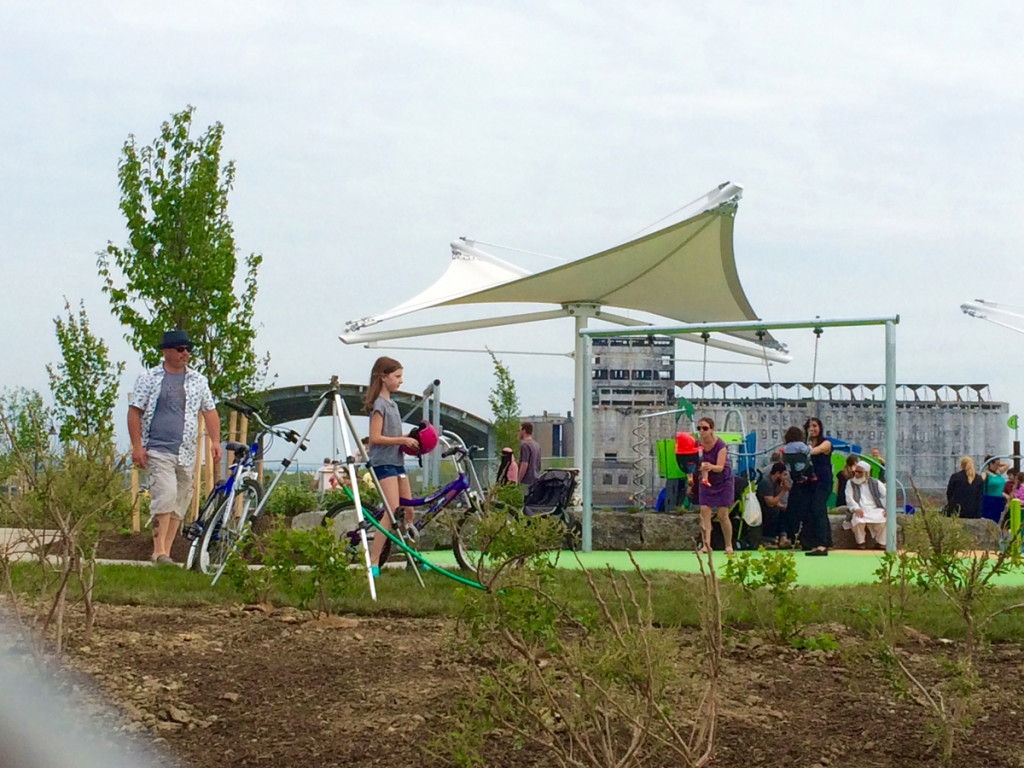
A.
pixel 170 485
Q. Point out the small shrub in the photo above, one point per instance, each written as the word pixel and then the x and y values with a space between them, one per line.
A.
pixel 774 573
pixel 291 500
pixel 329 577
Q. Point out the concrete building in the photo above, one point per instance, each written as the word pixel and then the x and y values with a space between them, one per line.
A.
pixel 633 379
pixel 937 423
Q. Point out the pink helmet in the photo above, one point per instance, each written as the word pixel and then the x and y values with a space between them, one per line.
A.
pixel 426 435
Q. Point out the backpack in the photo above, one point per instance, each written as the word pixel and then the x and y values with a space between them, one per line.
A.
pixel 800 468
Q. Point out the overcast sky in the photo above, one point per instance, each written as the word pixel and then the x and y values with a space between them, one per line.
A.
pixel 879 145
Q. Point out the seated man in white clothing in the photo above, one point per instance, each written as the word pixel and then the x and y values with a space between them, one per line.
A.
pixel 865 496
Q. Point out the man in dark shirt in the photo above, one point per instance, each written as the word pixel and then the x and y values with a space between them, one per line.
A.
pixel 773 493
pixel 529 455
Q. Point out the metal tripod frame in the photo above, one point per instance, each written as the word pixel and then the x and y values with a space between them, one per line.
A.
pixel 343 419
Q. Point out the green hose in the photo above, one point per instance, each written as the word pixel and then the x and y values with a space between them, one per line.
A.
pixel 409 550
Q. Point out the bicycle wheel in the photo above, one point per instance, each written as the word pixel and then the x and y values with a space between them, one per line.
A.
pixel 206 514
pixel 226 527
pixel 464 540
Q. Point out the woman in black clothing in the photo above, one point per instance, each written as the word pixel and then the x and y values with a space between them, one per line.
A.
pixel 964 492
pixel 821 458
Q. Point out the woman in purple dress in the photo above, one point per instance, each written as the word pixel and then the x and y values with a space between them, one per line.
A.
pixel 719 492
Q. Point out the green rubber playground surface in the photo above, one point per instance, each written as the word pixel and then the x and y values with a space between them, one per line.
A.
pixel 837 569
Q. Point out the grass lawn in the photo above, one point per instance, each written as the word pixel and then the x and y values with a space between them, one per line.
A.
pixel 839 568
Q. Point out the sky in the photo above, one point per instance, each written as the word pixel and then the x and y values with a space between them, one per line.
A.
pixel 879 146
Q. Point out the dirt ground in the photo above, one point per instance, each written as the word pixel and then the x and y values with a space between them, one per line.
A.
pixel 219 687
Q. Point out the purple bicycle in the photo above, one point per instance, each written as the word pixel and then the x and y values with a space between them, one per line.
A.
pixel 463 494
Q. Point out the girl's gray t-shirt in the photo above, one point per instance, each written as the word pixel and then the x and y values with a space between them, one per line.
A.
pixel 391 455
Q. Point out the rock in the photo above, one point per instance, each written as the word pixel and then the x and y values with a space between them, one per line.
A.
pixel 306 521
pixel 178 715
pixel 334 622
pixel 918 637
pixel 266 608
pixel 232 697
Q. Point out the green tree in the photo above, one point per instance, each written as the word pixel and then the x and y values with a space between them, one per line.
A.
pixel 84 384
pixel 24 432
pixel 178 269
pixel 504 406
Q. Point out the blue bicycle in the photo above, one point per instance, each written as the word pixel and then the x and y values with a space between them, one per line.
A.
pixel 228 510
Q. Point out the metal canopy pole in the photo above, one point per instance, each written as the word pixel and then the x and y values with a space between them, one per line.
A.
pixel 890 435
pixel 584 370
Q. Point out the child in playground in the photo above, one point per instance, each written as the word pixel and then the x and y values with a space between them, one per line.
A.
pixel 385 447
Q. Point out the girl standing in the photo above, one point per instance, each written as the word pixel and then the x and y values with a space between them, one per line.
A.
pixel 386 442
pixel 719 492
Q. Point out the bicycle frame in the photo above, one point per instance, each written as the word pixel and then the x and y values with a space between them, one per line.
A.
pixel 466 483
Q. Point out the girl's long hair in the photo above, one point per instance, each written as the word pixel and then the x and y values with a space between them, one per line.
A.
pixel 814 441
pixel 967 465
pixel 381 368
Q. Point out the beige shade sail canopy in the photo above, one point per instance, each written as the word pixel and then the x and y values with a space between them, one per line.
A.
pixel 685 272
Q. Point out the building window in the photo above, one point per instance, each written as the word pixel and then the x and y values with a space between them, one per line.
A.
pixel 623 479
pixel 606 479
pixel 611 457
pixel 643 375
pixel 620 374
pixel 601 373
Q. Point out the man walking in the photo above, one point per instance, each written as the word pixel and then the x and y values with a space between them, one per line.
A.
pixel 529 455
pixel 163 425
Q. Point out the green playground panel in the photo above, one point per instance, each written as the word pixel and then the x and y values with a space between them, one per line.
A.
pixel 666 452
pixel 839 461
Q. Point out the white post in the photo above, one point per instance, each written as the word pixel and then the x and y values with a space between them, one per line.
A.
pixel 587 458
pixel 581 410
pixel 890 435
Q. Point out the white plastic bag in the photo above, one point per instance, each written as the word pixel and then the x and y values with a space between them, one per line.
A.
pixel 751 508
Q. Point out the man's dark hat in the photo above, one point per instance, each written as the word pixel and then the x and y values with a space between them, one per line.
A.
pixel 175 339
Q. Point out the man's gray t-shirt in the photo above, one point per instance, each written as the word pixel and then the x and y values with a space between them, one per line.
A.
pixel 381 455
pixel 169 416
pixel 529 453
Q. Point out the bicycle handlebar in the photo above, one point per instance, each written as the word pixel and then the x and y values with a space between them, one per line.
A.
pixel 249 411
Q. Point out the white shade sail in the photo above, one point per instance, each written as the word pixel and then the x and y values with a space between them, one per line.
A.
pixel 685 272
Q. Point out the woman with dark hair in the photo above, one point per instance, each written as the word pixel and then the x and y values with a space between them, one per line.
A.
pixel 719 492
pixel 821 458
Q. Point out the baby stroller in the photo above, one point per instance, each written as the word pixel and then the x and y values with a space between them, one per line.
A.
pixel 551 494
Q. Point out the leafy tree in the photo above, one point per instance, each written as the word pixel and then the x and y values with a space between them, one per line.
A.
pixel 84 384
pixel 504 406
pixel 24 432
pixel 178 269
